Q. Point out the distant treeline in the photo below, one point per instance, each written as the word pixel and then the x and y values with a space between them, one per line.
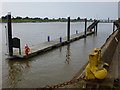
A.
pixel 37 19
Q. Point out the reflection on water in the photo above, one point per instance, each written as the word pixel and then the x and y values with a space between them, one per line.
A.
pixel 16 69
pixel 53 67
pixel 68 54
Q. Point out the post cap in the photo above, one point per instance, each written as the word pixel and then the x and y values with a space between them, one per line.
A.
pixel 68 15
pixel 85 18
pixel 93 54
pixel 97 49
pixel 9 13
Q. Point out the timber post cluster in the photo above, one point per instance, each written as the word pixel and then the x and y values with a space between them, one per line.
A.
pixel 68 30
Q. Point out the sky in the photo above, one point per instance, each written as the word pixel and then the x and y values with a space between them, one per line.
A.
pixel 119 10
pixel 97 10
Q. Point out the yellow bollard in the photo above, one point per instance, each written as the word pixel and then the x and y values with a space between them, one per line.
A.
pixel 93 60
pixel 93 70
pixel 88 73
pixel 101 74
pixel 98 51
pixel 91 66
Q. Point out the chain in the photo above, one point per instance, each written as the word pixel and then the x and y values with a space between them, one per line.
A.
pixel 65 83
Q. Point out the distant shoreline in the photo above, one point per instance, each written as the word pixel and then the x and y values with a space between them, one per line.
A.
pixel 44 21
pixel 22 21
pixel 31 22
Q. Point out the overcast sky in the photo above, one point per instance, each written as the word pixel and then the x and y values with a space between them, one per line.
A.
pixel 99 10
pixel 119 9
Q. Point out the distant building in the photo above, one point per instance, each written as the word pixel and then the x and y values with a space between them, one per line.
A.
pixel 119 9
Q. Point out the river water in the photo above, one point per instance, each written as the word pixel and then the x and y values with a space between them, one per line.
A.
pixel 55 66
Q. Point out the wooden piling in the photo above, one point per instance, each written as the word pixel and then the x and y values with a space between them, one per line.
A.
pixel 68 30
pixel 113 26
pixel 9 34
pixel 108 19
pixel 85 27
pixel 96 28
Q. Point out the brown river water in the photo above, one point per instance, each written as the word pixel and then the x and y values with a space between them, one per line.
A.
pixel 53 67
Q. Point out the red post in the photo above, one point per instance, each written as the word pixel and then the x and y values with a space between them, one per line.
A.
pixel 27 49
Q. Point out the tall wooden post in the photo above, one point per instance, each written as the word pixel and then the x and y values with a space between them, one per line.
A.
pixel 85 27
pixel 96 28
pixel 108 19
pixel 113 26
pixel 68 30
pixel 9 34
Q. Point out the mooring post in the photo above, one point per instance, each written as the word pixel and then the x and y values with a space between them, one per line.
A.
pixel 113 26
pixel 96 28
pixel 85 27
pixel 19 51
pixel 108 19
pixel 68 30
pixel 60 39
pixel 9 34
pixel 48 38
